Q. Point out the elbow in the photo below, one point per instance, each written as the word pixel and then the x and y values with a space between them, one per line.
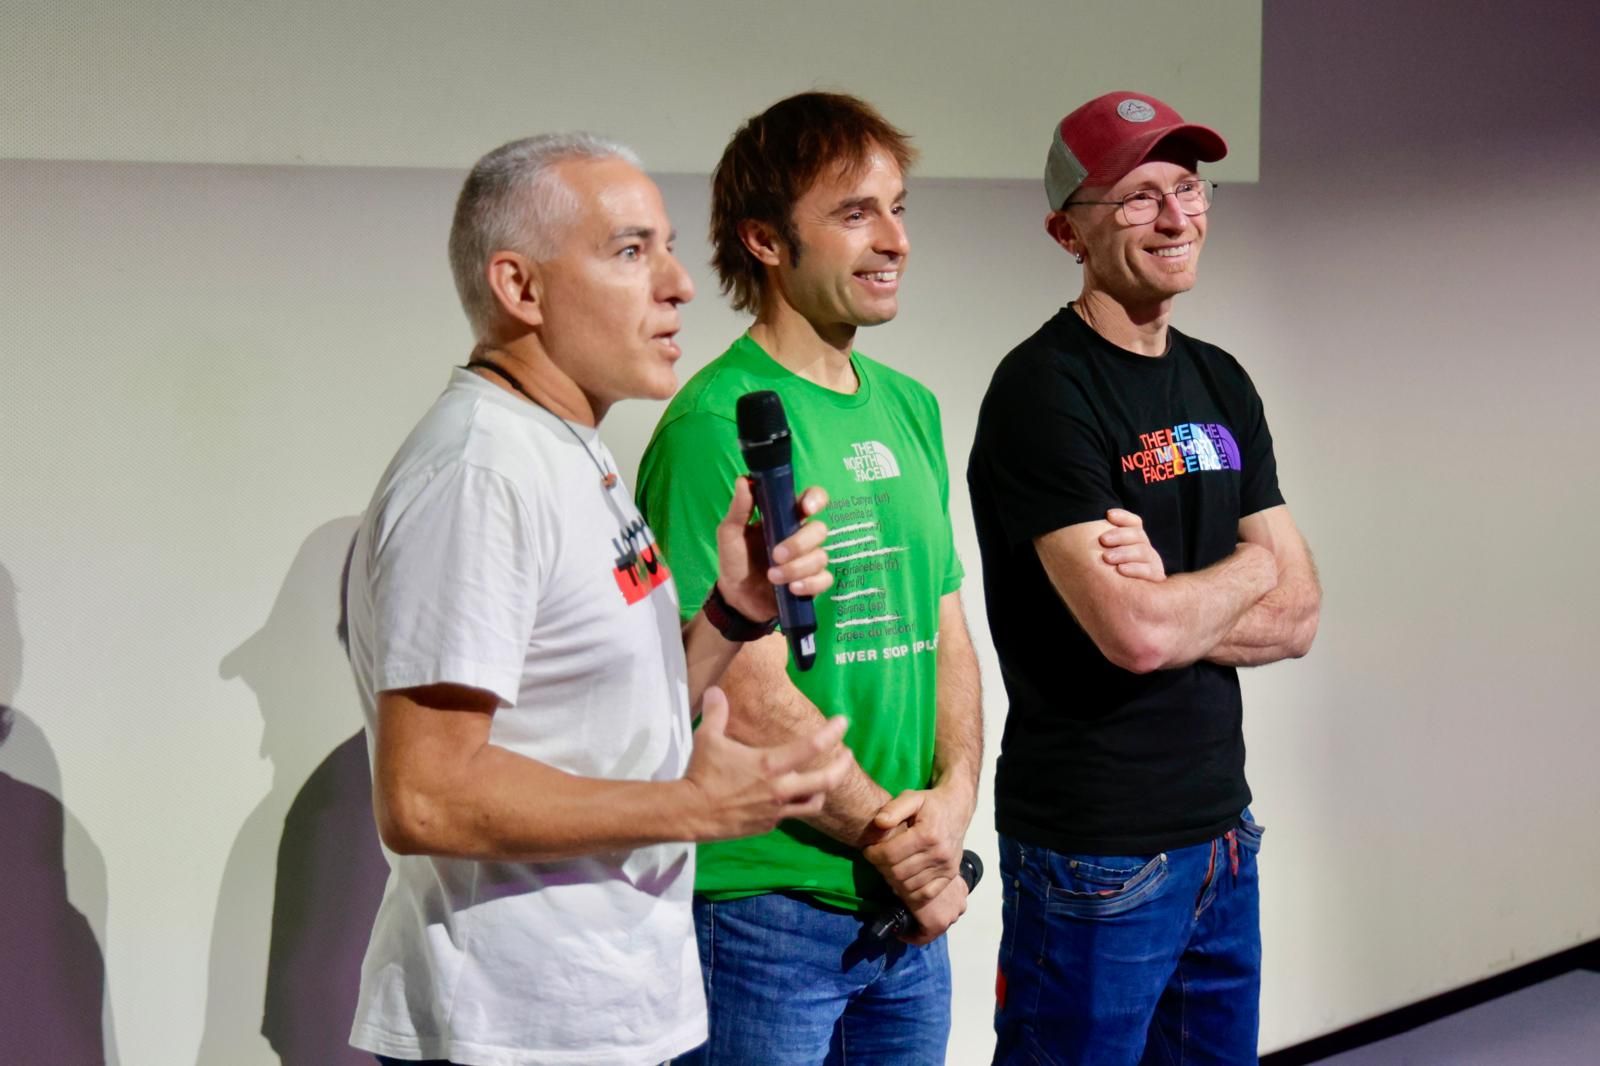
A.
pixel 1306 632
pixel 1146 661
pixel 408 824
pixel 1137 649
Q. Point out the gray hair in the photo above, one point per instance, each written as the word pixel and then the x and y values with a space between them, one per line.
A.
pixel 513 201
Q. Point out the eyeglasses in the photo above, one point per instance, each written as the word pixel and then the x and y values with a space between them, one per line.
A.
pixel 1193 197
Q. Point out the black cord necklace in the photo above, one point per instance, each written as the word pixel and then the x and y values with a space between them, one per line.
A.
pixel 608 478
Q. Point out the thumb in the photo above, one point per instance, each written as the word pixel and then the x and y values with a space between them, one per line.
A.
pixel 743 503
pixel 713 712
pixel 898 809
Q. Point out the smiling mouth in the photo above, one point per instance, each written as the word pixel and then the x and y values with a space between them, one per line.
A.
pixel 880 277
pixel 1176 251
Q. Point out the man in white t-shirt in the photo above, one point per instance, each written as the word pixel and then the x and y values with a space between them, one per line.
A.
pixel 516 643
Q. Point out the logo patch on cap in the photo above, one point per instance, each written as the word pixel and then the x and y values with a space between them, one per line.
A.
pixel 1136 110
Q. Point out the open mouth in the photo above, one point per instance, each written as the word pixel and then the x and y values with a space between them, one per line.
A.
pixel 1172 251
pixel 882 281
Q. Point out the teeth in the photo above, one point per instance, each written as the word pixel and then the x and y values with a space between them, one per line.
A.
pixel 883 275
pixel 1171 253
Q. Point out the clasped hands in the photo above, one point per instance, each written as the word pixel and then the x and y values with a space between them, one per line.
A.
pixel 916 845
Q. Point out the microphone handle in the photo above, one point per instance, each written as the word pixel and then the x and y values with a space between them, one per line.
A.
pixel 899 920
pixel 780 517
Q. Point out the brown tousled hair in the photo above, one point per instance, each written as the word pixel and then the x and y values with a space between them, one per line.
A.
pixel 772 162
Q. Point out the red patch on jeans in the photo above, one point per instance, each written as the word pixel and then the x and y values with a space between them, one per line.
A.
pixel 999 988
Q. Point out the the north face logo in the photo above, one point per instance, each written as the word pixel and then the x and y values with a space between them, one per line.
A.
pixel 872 461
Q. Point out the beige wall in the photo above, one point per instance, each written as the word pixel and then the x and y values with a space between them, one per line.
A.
pixel 420 83
pixel 203 369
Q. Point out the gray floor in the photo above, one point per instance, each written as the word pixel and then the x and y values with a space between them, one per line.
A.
pixel 1556 1023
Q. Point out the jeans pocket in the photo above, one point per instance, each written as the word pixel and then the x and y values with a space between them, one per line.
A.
pixel 1101 886
pixel 1250 832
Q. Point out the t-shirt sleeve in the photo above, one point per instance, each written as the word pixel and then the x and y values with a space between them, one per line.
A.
pixel 1258 485
pixel 1042 454
pixel 455 572
pixel 685 483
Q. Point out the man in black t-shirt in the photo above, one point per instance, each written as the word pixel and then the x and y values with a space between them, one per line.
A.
pixel 1136 551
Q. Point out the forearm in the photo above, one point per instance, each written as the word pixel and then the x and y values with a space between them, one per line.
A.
pixel 504 807
pixel 708 653
pixel 917 836
pixel 766 709
pixel 1180 620
pixel 958 730
pixel 1280 625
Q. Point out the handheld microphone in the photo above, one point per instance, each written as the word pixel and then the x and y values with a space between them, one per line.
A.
pixel 899 920
pixel 764 439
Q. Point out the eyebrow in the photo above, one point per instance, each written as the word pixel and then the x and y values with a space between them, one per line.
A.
pixel 642 232
pixel 1152 184
pixel 857 202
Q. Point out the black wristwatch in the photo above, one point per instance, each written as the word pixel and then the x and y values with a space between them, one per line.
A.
pixel 730 623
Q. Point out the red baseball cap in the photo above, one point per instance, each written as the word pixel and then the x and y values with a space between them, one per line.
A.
pixel 1110 135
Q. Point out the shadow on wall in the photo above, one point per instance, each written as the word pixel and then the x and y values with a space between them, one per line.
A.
pixel 306 873
pixel 52 971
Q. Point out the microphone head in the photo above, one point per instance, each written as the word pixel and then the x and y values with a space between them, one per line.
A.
pixel 763 430
pixel 971 869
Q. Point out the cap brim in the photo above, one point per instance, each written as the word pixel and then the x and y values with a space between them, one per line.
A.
pixel 1206 143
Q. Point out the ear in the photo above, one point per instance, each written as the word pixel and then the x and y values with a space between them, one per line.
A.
pixel 514 280
pixel 1059 225
pixel 762 241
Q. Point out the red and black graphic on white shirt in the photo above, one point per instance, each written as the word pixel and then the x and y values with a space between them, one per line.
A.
pixel 639 568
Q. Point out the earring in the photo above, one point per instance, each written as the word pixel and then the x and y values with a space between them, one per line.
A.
pixel 1079 257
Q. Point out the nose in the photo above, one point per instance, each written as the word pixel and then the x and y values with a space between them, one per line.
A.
pixel 674 286
pixel 891 238
pixel 1171 219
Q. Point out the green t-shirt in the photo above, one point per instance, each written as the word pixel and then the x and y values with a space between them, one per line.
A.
pixel 880 455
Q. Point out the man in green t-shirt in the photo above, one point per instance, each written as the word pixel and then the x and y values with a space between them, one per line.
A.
pixel 807 223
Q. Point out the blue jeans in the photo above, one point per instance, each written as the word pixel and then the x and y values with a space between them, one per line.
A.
pixel 791 983
pixel 1117 960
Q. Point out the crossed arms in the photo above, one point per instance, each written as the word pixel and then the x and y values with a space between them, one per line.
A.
pixel 1258 605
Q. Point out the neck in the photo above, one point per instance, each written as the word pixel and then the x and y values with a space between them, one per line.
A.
pixel 1141 329
pixel 820 354
pixel 541 380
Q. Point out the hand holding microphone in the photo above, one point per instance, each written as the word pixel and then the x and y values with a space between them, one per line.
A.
pixel 899 921
pixel 768 451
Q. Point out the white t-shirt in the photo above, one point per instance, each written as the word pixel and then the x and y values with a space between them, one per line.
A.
pixel 492 556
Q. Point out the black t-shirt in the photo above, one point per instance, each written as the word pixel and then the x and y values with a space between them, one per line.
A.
pixel 1096 758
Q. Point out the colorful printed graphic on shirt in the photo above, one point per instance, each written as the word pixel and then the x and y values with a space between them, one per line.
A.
pixel 1187 448
pixel 639 568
